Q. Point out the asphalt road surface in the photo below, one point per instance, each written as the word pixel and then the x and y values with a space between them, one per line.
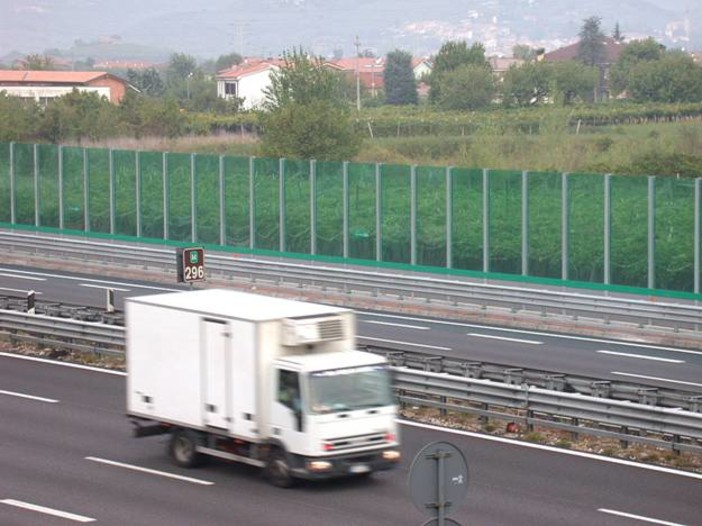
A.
pixel 67 456
pixel 599 358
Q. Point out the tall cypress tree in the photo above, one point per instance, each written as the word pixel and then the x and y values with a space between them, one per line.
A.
pixel 400 84
pixel 592 42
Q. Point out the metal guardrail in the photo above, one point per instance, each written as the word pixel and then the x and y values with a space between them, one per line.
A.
pixel 625 421
pixel 405 286
pixel 687 399
pixel 678 429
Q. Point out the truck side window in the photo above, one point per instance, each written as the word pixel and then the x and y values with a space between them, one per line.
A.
pixel 289 389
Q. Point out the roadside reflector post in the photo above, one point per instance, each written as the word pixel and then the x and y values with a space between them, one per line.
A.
pixel 31 309
pixel 110 298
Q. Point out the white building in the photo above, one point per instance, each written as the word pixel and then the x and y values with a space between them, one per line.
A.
pixel 247 81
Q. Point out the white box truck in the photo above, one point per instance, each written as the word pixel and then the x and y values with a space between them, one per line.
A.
pixel 271 382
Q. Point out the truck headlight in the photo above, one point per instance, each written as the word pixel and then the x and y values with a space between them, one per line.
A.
pixel 391 454
pixel 319 465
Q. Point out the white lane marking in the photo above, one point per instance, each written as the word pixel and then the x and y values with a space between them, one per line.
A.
pixel 503 338
pixel 65 364
pixel 639 517
pixel 403 326
pixel 102 287
pixel 17 276
pixel 553 449
pixel 641 357
pixel 150 471
pixel 644 377
pixel 535 333
pixel 29 397
pixel 405 343
pixel 88 280
pixel 23 291
pixel 47 511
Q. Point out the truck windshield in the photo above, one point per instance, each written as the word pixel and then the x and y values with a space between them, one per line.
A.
pixel 339 390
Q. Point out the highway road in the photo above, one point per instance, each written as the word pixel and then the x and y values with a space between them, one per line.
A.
pixel 669 367
pixel 67 457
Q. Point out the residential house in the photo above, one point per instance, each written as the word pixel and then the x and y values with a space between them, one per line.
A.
pixel 247 81
pixel 369 71
pixel 45 85
pixel 421 67
pixel 613 50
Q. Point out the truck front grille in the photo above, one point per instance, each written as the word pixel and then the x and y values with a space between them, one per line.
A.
pixel 355 442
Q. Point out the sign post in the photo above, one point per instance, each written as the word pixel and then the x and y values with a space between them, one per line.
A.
pixel 191 264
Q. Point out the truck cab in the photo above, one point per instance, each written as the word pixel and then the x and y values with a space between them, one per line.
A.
pixel 334 413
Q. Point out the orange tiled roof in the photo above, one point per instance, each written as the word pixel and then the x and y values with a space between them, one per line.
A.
pixel 248 67
pixel 49 77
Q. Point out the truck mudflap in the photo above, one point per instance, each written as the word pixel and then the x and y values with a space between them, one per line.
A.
pixel 317 468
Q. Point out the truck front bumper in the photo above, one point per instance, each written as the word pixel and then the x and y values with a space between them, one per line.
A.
pixel 318 468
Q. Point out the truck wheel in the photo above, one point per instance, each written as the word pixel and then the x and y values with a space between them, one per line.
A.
pixel 278 469
pixel 182 449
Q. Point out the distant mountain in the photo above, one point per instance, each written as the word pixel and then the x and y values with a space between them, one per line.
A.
pixel 209 28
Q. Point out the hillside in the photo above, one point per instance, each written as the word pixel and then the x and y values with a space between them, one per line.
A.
pixel 213 27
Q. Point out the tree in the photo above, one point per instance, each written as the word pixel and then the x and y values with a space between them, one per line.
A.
pixel 227 61
pixel 76 116
pixel 573 81
pixel 617 34
pixel 469 87
pixel 524 52
pixel 181 71
pixel 37 62
pixel 592 49
pixel 450 57
pixel 147 81
pixel 673 78
pixel 20 118
pixel 526 85
pixel 305 114
pixel 400 84
pixel 141 116
pixel 635 52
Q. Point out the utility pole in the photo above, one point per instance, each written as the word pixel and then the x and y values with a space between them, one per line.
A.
pixel 358 75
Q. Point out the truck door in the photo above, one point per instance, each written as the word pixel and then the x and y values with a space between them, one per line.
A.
pixel 287 418
pixel 216 371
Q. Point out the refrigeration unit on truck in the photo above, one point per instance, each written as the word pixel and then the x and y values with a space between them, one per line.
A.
pixel 266 381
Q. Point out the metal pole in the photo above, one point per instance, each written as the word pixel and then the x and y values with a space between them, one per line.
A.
pixel 166 219
pixel 193 202
pixel 222 204
pixel 449 217
pixel 698 244
pixel 281 204
pixel 441 488
pixel 86 192
pixel 13 210
pixel 37 201
pixel 525 223
pixel 413 215
pixel 486 221
pixel 137 186
pixel 60 187
pixel 111 158
pixel 313 207
pixel 607 229
pixel 345 204
pixel 252 205
pixel 378 215
pixel 565 227
pixel 358 75
pixel 651 232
